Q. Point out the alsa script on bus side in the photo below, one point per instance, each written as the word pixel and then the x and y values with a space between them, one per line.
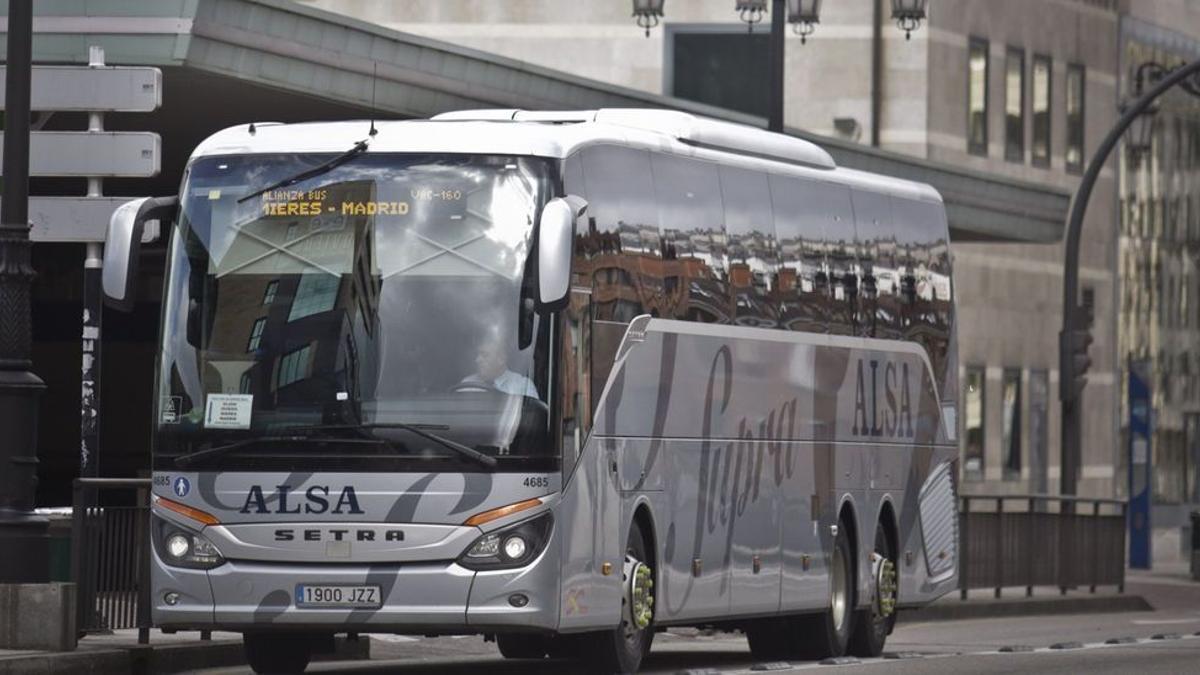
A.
pixel 895 419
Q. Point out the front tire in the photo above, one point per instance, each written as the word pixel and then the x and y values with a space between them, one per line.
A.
pixel 523 646
pixel 621 650
pixel 277 652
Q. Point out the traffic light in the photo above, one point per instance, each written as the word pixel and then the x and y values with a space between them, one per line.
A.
pixel 1074 361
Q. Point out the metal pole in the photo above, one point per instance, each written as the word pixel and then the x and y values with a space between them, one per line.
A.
pixel 23 535
pixel 1072 420
pixel 775 67
pixel 876 72
pixel 89 395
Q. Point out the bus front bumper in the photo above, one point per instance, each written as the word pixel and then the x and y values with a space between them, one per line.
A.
pixel 430 597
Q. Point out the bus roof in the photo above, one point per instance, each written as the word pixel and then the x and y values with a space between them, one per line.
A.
pixel 558 134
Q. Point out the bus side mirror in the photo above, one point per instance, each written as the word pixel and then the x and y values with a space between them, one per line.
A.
pixel 124 241
pixel 556 235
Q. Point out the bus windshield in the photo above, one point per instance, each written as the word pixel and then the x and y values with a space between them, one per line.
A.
pixel 375 315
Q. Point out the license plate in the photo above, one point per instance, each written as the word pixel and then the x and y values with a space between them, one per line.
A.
pixel 355 597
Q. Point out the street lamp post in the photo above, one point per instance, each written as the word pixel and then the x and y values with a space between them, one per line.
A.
pixel 1075 335
pixel 24 548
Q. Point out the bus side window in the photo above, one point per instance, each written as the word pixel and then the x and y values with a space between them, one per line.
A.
pixel 926 289
pixel 753 267
pixel 618 255
pixel 688 193
pixel 813 221
pixel 875 235
pixel 575 348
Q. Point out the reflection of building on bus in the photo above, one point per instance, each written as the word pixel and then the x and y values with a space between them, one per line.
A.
pixel 288 308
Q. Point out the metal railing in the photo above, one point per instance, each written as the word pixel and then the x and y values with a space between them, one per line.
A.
pixel 1040 540
pixel 110 557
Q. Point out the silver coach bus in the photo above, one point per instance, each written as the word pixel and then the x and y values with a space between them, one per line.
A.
pixel 559 379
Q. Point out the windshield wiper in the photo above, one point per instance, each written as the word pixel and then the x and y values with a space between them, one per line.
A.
pixel 328 166
pixel 418 429
pixel 184 461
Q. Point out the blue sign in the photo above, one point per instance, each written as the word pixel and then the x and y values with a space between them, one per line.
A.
pixel 181 487
pixel 1140 433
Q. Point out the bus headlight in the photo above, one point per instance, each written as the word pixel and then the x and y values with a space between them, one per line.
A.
pixel 514 546
pixel 182 548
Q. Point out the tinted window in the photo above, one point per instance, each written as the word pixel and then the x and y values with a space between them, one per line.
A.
pixel 693 239
pixel 1075 93
pixel 810 217
pixel 925 289
pixel 622 229
pixel 751 246
pixel 879 274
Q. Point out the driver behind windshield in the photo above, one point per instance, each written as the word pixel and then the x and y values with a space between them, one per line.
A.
pixel 492 372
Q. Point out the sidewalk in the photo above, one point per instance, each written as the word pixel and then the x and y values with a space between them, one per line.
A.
pixel 1166 588
pixel 119 652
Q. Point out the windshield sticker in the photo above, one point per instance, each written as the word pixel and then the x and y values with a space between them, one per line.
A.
pixel 169 409
pixel 228 411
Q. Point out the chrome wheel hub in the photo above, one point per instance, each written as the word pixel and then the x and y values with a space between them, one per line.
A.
pixel 639 593
pixel 886 585
pixel 839 598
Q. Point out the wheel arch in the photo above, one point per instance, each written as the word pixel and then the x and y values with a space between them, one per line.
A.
pixel 890 523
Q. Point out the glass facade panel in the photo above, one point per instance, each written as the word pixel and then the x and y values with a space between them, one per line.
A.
pixel 1040 149
pixel 973 424
pixel 1010 420
pixel 1014 106
pixel 977 97
pixel 1076 80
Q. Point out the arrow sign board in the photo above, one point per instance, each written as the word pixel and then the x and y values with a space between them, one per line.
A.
pixel 102 89
pixel 77 219
pixel 136 154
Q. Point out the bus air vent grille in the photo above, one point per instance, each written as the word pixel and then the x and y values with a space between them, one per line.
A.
pixel 939 522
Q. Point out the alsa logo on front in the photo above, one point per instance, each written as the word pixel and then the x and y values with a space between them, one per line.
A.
pixel 315 500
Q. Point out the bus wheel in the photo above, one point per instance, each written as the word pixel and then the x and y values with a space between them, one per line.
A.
pixel 523 646
pixel 872 625
pixel 277 652
pixel 772 639
pixel 621 650
pixel 827 633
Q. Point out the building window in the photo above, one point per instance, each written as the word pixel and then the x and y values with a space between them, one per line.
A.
pixel 1014 105
pixel 1011 424
pixel 256 334
pixel 269 294
pixel 293 367
pixel 316 293
pixel 973 427
pixel 1041 111
pixel 710 65
pixel 977 98
pixel 1039 436
pixel 1075 109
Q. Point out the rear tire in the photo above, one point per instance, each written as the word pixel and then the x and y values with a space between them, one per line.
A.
pixel 621 650
pixel 812 636
pixel 772 639
pixel 277 652
pixel 519 646
pixel 871 626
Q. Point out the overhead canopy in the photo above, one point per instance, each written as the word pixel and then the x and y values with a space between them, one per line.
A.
pixel 230 61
